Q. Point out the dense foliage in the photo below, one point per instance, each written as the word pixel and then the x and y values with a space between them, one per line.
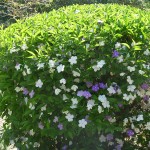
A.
pixel 11 10
pixel 77 78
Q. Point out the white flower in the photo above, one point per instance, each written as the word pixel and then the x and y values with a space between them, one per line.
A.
pixel 131 88
pixel 76 74
pixel 39 83
pixel 90 104
pixel 141 72
pixel 147 126
pixel 60 68
pixel 73 60
pixel 40 65
pixel 102 98
pixel 87 46
pixel 100 109
pixel 147 52
pixel 125 121
pixel 32 107
pixel 131 69
pixel 18 89
pixel 102 43
pixel 63 81
pixel 24 47
pixel 17 66
pixel 120 59
pixel 36 144
pixel 69 117
pixel 77 11
pixel 9 112
pixel 111 90
pixel 57 91
pixel 51 63
pixel 82 123
pixel 117 45
pixel 126 97
pixel 24 73
pixel 28 71
pixel 74 87
pixel 77 80
pixel 101 63
pixel 106 104
pixel 64 97
pixel 26 100
pixel 102 138
pixel 139 118
pixel 31 132
pixel 43 108
pixel 95 68
pixel 74 100
pixel 129 80
pixel 122 74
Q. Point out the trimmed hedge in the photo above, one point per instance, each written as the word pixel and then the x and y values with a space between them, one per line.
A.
pixel 77 78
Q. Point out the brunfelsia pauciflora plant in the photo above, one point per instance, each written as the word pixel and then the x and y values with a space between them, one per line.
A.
pixel 77 78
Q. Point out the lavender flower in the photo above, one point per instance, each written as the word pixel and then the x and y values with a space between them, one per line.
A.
pixel 130 132
pixel 115 53
pixel 31 94
pixel 118 147
pixel 25 91
pixel 60 126
pixel 109 137
pixel 146 98
pixel 95 88
pixel 102 85
pixel 86 94
pixel 89 84
pixel 64 147
pixel 144 86
pixel 80 93
pixel 120 105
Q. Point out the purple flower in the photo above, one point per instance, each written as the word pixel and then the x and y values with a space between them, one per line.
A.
pixel 109 137
pixel 108 117
pixel 130 132
pixel 40 125
pixel 64 147
pixel 102 85
pixel 146 98
pixel 95 88
pixel 80 93
pixel 120 105
pixel 118 147
pixel 89 84
pixel 86 94
pixel 144 86
pixel 31 94
pixel 25 91
pixel 115 53
pixel 60 126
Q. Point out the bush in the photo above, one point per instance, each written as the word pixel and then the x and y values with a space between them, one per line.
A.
pixel 18 9
pixel 77 77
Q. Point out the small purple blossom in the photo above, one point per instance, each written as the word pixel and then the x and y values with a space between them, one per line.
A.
pixel 118 147
pixel 115 53
pixel 87 118
pixel 109 137
pixel 130 132
pixel 40 125
pixel 102 85
pixel 60 126
pixel 120 105
pixel 108 117
pixel 89 84
pixel 144 86
pixel 80 93
pixel 31 94
pixel 64 147
pixel 87 94
pixel 146 98
pixel 25 91
pixel 95 88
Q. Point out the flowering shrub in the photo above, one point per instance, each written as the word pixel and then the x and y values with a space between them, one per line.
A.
pixel 77 78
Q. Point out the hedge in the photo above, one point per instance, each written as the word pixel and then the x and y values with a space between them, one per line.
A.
pixel 77 78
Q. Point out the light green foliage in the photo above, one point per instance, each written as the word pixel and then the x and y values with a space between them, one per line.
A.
pixel 33 95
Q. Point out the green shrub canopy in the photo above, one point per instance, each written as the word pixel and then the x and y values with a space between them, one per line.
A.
pixel 77 78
